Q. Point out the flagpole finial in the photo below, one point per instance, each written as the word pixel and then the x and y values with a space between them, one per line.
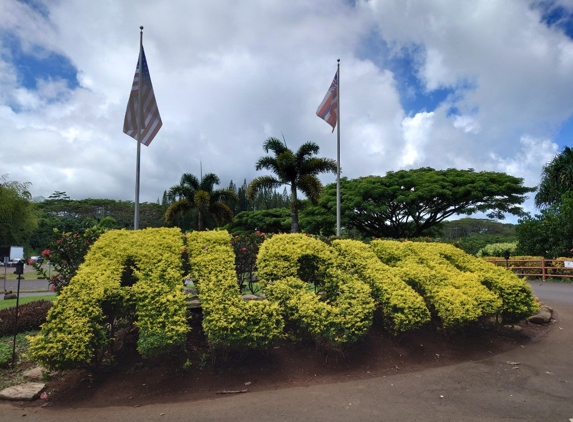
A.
pixel 141 27
pixel 338 60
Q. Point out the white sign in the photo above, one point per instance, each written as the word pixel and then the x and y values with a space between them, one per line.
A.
pixel 568 264
pixel 16 253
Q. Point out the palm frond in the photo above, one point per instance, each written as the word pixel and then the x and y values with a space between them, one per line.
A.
pixel 310 185
pixel 268 163
pixel 318 165
pixel 221 212
pixel 288 169
pixel 306 150
pixel 202 201
pixel 260 183
pixel 178 208
pixel 275 145
pixel 209 181
pixel 188 179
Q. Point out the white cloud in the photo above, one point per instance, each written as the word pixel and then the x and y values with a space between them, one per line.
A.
pixel 416 131
pixel 227 75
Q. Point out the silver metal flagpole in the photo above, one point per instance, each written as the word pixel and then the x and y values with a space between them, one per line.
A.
pixel 139 123
pixel 338 155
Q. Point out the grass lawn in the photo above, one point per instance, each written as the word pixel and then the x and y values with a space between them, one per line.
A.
pixel 4 304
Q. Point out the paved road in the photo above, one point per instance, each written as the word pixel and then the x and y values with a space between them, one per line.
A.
pixel 26 284
pixel 554 292
pixel 488 390
pixel 40 287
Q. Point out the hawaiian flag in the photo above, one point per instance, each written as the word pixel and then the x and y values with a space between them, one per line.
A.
pixel 328 109
pixel 150 118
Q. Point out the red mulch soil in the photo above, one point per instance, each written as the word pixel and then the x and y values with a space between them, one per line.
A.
pixel 132 382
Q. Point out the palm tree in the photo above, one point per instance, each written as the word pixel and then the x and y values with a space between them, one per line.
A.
pixel 556 179
pixel 298 170
pixel 191 194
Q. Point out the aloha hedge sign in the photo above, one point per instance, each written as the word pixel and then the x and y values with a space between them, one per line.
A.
pixel 134 280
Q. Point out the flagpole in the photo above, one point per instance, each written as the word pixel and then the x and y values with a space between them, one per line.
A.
pixel 139 122
pixel 338 155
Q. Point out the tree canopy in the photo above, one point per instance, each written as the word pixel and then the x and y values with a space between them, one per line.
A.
pixel 18 214
pixel 411 203
pixel 76 215
pixel 473 234
pixel 298 170
pixel 556 179
pixel 550 233
pixel 274 220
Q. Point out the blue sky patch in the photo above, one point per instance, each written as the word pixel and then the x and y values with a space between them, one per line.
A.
pixel 564 137
pixel 40 64
pixel 404 64
pixel 554 15
pixel 37 6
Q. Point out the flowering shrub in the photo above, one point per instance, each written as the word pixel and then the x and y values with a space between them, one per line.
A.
pixel 246 248
pixel 66 254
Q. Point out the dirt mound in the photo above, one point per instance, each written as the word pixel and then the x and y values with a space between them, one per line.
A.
pixel 131 382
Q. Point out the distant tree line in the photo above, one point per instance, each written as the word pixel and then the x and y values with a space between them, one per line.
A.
pixel 406 204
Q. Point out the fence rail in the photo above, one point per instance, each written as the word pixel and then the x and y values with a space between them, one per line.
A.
pixel 544 268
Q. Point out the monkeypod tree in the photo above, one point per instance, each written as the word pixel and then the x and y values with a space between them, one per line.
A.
pixel 410 203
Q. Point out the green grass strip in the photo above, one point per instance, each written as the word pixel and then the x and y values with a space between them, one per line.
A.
pixel 10 303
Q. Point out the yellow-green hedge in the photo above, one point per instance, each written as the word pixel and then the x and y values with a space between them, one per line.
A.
pixel 228 321
pixel 76 331
pixel 517 297
pixel 517 300
pixel 399 278
pixel 341 316
pixel 402 307
pixel 278 256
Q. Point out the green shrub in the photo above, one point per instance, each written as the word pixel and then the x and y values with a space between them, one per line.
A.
pixel 66 255
pixel 5 355
pixel 497 249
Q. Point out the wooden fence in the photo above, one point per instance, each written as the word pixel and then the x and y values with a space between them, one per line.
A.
pixel 544 268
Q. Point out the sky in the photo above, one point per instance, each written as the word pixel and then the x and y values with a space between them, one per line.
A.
pixel 482 84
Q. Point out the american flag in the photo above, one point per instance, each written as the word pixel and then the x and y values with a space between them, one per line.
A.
pixel 328 109
pixel 149 111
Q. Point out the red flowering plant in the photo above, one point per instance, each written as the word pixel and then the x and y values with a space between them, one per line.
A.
pixel 65 255
pixel 246 249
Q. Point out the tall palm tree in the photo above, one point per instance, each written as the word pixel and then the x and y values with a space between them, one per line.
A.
pixel 192 193
pixel 556 179
pixel 298 170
